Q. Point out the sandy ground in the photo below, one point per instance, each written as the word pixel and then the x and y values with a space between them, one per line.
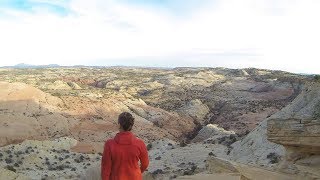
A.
pixel 211 177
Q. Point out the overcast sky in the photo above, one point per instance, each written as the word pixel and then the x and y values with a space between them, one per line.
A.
pixel 271 34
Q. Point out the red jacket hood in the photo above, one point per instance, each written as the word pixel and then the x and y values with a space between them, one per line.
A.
pixel 125 137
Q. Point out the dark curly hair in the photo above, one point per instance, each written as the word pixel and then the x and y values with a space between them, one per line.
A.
pixel 126 121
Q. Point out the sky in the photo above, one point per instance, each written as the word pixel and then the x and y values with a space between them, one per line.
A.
pixel 269 34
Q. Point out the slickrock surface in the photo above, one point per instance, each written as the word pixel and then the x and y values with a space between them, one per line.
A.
pixel 298 124
pixel 256 150
pixel 10 175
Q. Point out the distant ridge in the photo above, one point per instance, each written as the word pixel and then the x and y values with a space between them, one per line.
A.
pixel 25 66
pixel 30 66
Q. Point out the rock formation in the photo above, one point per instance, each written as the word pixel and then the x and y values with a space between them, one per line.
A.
pixel 212 132
pixel 297 128
pixel 287 142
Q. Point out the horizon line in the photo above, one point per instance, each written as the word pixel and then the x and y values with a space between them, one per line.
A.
pixel 48 66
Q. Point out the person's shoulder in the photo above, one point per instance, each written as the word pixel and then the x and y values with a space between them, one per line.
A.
pixel 139 141
pixel 109 142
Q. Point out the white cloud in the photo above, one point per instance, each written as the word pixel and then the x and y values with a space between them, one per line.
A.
pixel 272 34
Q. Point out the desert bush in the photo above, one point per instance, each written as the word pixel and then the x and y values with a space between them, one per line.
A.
pixel 11 168
pixel 158 124
pixel 227 140
pixel 317 78
pixel 316 113
pixel 149 146
pixel 191 171
pixel 8 160
pixel 57 94
pixel 183 144
pixel 158 171
pixel 273 157
pixel 144 92
pixel 233 138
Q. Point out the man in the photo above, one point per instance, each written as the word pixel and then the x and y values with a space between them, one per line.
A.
pixel 121 155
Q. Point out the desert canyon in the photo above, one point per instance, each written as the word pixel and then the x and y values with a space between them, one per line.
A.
pixel 198 123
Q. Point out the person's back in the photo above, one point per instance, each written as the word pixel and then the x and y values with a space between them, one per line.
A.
pixel 122 154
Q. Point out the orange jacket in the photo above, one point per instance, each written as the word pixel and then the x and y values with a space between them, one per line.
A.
pixel 121 156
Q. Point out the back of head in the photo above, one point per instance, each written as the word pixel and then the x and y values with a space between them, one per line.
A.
pixel 126 121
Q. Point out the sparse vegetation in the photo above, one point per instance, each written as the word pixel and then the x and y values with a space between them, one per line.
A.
pixel 57 94
pixel 183 143
pixel 8 160
pixel 273 157
pixel 11 168
pixel 149 146
pixel 158 124
pixel 316 113
pixel 227 140
pixel 190 171
pixel 158 171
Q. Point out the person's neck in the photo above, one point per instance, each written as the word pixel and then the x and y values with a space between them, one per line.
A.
pixel 121 130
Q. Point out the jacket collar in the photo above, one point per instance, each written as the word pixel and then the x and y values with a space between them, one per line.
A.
pixel 125 137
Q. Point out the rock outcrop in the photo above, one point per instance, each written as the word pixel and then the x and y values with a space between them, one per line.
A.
pixel 195 109
pixel 287 142
pixel 216 165
pixel 297 128
pixel 212 132
pixel 74 85
pixel 256 150
pixel 59 85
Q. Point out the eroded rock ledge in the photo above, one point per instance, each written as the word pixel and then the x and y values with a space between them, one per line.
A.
pixel 297 128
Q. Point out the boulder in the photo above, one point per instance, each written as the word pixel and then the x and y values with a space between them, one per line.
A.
pixel 217 165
